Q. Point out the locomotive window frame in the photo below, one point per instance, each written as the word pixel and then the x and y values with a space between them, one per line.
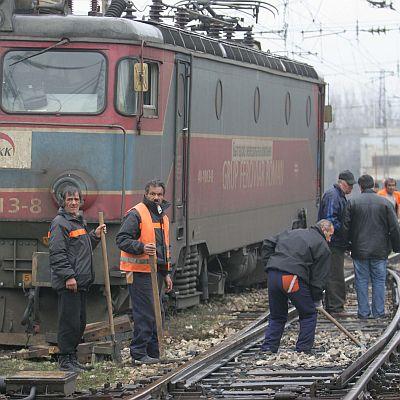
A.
pixel 150 98
pixel 257 104
pixel 219 99
pixel 288 107
pixel 41 96
pixel 308 111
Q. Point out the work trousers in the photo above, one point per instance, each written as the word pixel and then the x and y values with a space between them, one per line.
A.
pixel 71 320
pixel 374 270
pixel 335 293
pixel 278 305
pixel 144 340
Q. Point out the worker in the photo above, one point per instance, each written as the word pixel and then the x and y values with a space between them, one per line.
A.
pixel 371 226
pixel 390 193
pixel 297 263
pixel 144 233
pixel 72 273
pixel 332 208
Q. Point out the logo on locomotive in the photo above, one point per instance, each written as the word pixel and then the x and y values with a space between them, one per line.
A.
pixel 15 149
pixel 6 151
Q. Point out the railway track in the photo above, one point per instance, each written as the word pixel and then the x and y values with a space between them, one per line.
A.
pixel 236 369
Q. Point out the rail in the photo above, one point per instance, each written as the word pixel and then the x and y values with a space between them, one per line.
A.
pixel 199 368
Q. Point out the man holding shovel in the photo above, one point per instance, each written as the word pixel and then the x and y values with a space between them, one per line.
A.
pixel 72 273
pixel 144 234
pixel 297 262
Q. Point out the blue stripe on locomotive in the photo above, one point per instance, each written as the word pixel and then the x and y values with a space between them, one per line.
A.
pixel 98 154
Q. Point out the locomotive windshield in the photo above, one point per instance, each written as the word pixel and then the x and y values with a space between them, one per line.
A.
pixel 53 82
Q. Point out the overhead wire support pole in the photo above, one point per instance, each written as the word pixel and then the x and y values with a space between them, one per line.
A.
pixel 285 24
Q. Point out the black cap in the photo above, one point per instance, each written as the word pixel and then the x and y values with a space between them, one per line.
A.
pixel 347 176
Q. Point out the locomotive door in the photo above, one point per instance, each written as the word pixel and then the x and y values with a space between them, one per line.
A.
pixel 181 173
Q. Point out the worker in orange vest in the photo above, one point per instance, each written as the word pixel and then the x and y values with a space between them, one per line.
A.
pixel 390 192
pixel 145 233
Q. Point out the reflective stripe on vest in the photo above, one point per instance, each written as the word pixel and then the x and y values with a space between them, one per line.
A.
pixel 77 232
pixel 140 263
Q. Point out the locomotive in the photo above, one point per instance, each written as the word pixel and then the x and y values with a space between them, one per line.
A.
pixel 107 103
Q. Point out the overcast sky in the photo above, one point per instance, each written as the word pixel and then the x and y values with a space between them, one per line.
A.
pixel 323 33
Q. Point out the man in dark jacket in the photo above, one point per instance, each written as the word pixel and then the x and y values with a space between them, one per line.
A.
pixel 71 264
pixel 371 225
pixel 332 208
pixel 297 262
pixel 145 233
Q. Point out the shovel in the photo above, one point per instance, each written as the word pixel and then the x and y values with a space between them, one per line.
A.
pixel 340 326
pixel 116 354
pixel 157 306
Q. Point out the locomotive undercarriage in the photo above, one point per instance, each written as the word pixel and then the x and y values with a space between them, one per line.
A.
pixel 28 307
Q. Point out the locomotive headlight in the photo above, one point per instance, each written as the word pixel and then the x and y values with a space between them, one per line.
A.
pixel 79 179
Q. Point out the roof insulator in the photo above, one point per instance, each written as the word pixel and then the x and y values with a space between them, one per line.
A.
pixel 155 10
pixel 181 18
pixel 116 8
pixel 248 39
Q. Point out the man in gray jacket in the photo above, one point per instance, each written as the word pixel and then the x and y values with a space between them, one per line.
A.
pixel 71 263
pixel 371 226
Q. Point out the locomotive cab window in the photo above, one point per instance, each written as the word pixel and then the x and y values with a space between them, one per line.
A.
pixel 61 82
pixel 128 101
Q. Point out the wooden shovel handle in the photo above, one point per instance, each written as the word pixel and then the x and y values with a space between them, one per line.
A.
pixel 107 285
pixel 339 325
pixel 157 305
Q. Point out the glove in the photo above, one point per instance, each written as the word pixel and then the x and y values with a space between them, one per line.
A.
pixel 318 303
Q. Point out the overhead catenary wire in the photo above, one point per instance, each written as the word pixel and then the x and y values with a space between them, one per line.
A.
pixel 361 56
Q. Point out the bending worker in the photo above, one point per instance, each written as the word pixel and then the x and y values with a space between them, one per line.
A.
pixel 297 262
pixel 72 273
pixel 145 233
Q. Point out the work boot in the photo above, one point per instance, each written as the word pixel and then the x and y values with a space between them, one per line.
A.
pixel 65 363
pixel 268 352
pixel 146 360
pixel 310 352
pixel 76 363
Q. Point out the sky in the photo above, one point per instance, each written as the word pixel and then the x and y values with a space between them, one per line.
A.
pixel 343 39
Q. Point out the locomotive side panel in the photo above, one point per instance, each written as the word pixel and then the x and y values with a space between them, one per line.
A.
pixel 229 140
pixel 251 172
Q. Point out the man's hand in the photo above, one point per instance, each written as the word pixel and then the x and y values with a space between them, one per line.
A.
pixel 150 249
pixel 318 304
pixel 168 283
pixel 71 284
pixel 100 228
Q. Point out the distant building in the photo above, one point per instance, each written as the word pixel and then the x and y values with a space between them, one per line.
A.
pixel 373 151
pixel 342 151
pixel 380 153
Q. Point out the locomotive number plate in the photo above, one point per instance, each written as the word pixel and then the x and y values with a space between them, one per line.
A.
pixel 14 205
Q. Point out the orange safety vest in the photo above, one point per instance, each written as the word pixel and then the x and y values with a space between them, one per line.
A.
pixel 140 263
pixel 396 195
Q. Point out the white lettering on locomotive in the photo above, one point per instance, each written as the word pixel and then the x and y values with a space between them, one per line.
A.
pixel 205 176
pixel 252 166
pixel 252 149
